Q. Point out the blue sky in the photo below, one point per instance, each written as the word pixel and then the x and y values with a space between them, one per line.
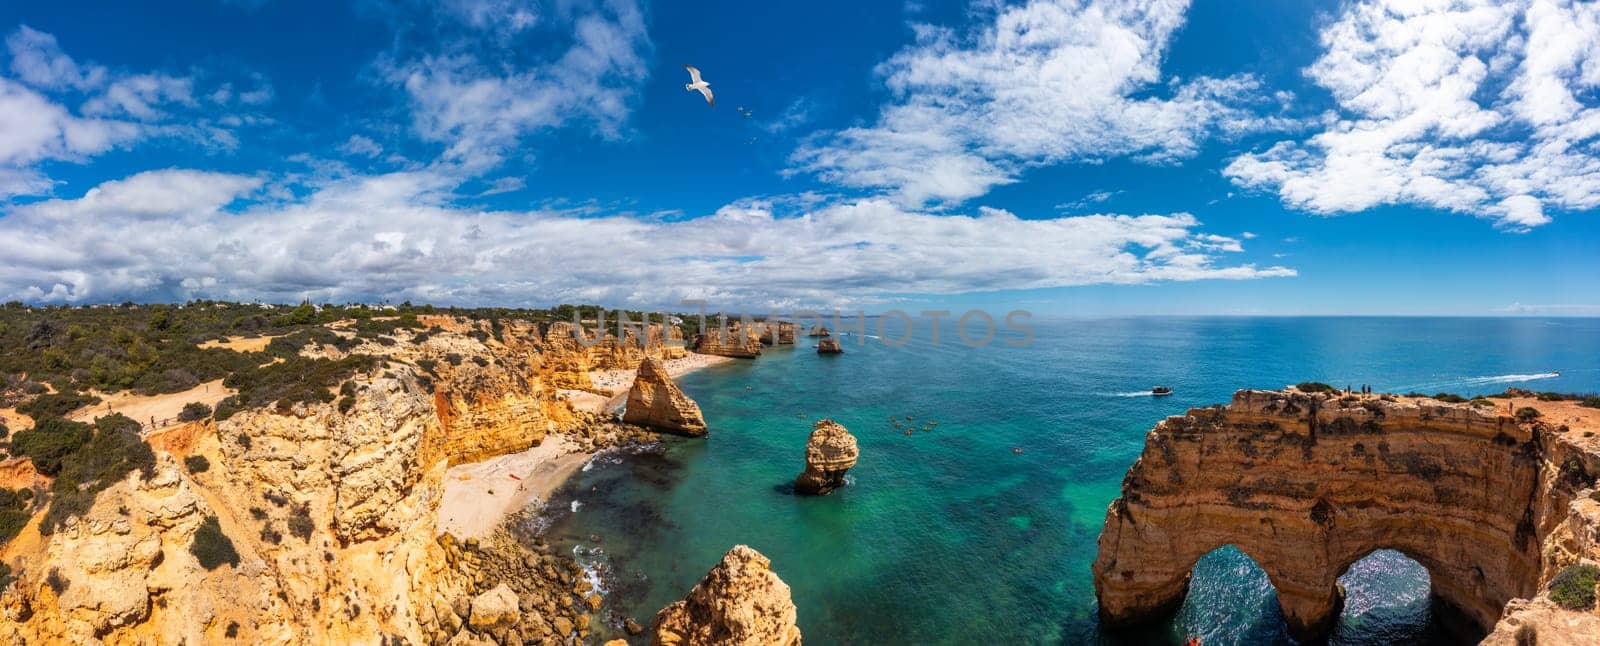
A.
pixel 1075 157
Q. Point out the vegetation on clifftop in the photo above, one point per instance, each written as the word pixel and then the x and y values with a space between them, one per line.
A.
pixel 1573 587
pixel 55 360
pixel 212 547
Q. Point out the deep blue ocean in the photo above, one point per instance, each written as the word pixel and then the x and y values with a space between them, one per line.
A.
pixel 947 535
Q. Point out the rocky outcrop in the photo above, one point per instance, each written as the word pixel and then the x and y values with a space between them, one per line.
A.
pixel 655 402
pixel 740 602
pixel 830 452
pixel 332 510
pixel 777 333
pixel 576 351
pixel 829 345
pixel 496 608
pixel 1307 484
pixel 735 341
pixel 817 330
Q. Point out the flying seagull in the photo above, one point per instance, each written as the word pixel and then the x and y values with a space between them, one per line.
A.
pixel 702 86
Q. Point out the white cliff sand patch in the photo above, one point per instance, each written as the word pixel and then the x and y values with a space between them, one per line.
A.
pixel 14 420
pixel 161 409
pixel 584 401
pixel 478 496
pixel 617 382
pixel 240 343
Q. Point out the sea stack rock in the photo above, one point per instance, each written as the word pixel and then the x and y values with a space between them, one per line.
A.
pixel 740 602
pixel 829 345
pixel 655 402
pixel 817 330
pixel 829 454
pixel 734 341
pixel 777 333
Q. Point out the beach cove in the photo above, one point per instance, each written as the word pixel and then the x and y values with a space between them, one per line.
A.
pixel 953 518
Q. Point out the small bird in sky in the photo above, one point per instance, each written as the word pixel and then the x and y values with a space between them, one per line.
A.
pixel 698 84
pixel 745 111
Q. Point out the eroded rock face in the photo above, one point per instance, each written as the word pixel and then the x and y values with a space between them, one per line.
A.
pixel 740 602
pixel 829 345
pixel 496 608
pixel 777 333
pixel 735 341
pixel 817 330
pixel 655 402
pixel 1307 484
pixel 331 508
pixel 830 452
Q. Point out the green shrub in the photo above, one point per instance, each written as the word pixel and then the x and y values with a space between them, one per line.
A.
pixel 1450 398
pixel 109 451
pixel 300 523
pixel 1590 401
pixel 1315 387
pixel 212 547
pixel 44 407
pixel 1527 414
pixel 50 442
pixel 194 411
pixel 1573 587
pixel 1550 397
pixel 227 407
pixel 15 510
pixel 197 464
pixel 295 380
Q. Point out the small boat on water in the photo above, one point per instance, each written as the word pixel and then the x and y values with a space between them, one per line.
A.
pixel 1160 390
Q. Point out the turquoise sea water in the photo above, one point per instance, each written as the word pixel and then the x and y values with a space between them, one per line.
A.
pixel 950 537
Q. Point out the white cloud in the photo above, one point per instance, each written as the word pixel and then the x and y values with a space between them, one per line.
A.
pixel 170 235
pixel 1095 197
pixel 33 128
pixel 118 109
pixel 1471 106
pixel 1558 309
pixel 141 97
pixel 360 146
pixel 1043 82
pixel 503 17
pixel 797 114
pixel 37 59
pixel 480 107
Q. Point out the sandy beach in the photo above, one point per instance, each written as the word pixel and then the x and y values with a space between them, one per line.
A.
pixel 617 382
pixel 478 496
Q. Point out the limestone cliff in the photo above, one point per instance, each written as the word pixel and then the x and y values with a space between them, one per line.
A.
pixel 777 333
pixel 331 509
pixel 733 341
pixel 1306 484
pixel 830 452
pixel 740 602
pixel 575 351
pixel 655 402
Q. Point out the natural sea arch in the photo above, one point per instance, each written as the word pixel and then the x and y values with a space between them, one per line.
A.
pixel 1308 485
pixel 1387 600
